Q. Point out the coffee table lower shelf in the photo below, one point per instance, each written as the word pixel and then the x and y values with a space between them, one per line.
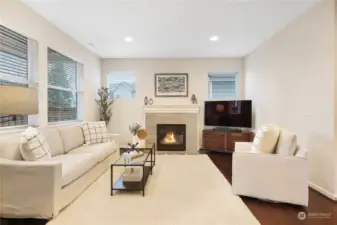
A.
pixel 121 185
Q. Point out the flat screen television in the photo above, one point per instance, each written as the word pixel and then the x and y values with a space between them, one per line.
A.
pixel 228 113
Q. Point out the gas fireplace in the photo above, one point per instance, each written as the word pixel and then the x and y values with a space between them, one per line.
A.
pixel 171 137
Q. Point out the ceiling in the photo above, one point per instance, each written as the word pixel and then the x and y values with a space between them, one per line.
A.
pixel 170 28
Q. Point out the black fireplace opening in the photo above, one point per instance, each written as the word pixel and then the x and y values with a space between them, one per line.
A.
pixel 171 137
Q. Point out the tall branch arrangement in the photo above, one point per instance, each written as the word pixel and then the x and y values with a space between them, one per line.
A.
pixel 104 104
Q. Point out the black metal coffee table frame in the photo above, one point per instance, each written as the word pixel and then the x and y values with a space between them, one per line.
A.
pixel 147 166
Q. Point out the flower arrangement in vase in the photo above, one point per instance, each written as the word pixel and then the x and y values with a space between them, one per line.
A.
pixel 134 128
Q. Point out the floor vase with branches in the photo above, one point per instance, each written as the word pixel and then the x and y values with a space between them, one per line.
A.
pixel 104 103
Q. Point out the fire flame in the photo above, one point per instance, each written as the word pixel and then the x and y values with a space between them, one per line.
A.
pixel 169 139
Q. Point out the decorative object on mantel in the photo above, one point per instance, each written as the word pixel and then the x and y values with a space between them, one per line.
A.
pixel 150 101
pixel 134 128
pixel 171 85
pixel 194 99
pixel 104 104
pixel 146 101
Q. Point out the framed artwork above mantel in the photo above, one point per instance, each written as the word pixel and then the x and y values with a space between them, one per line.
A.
pixel 171 85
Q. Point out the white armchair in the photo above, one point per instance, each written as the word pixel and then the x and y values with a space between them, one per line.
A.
pixel 269 176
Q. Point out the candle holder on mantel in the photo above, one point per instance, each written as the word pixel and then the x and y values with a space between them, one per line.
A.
pixel 194 99
pixel 150 101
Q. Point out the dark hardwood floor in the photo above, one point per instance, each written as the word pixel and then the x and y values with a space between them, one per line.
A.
pixel 267 213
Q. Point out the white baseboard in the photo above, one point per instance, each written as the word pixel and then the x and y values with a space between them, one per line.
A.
pixel 323 191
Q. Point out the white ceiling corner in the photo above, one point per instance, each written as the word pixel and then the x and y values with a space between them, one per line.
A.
pixel 171 28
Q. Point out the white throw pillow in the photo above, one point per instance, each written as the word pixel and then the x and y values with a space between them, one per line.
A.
pixel 33 145
pixel 287 143
pixel 95 132
pixel 265 139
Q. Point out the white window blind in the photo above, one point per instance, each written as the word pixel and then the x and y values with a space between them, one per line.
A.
pixel 222 85
pixel 62 87
pixel 13 68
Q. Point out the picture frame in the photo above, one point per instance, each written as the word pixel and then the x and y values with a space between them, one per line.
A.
pixel 171 85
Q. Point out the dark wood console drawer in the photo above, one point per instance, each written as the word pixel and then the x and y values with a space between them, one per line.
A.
pixel 224 141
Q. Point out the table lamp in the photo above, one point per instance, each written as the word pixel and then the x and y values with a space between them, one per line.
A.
pixel 16 100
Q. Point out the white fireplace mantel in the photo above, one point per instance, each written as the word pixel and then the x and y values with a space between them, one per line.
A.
pixel 175 114
pixel 172 109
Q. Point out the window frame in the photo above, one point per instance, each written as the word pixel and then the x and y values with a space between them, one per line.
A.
pixel 77 91
pixel 122 82
pixel 31 80
pixel 223 75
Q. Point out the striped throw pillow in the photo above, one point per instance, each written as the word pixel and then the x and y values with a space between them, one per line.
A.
pixel 33 145
pixel 95 132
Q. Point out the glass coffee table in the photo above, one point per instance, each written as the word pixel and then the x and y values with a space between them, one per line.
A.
pixel 136 173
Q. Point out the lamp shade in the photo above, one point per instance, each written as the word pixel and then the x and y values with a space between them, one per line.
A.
pixel 18 100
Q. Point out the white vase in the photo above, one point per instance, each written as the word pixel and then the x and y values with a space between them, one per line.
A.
pixel 135 139
pixel 141 144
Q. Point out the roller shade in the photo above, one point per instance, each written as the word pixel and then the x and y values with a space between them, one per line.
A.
pixel 222 85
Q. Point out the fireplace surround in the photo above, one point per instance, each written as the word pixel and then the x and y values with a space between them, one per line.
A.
pixel 174 114
pixel 171 137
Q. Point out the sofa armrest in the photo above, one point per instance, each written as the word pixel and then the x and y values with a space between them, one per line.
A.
pixel 113 137
pixel 271 176
pixel 243 146
pixel 29 189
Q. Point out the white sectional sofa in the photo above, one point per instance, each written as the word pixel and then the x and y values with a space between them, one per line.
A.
pixel 40 189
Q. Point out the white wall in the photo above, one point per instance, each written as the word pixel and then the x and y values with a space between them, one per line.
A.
pixel 20 18
pixel 126 111
pixel 291 80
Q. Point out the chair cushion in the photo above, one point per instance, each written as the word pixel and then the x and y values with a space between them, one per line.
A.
pixel 72 137
pixel 287 143
pixel 95 132
pixel 9 147
pixel 74 166
pixel 100 151
pixel 266 139
pixel 54 140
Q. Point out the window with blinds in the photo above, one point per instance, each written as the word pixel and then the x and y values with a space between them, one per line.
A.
pixel 62 87
pixel 222 85
pixel 13 68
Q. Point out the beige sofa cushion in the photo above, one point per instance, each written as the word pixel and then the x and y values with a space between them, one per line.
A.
pixel 54 140
pixel 9 147
pixel 100 151
pixel 72 137
pixel 287 143
pixel 74 166
pixel 266 139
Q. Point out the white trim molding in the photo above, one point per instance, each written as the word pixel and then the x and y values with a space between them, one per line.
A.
pixel 172 109
pixel 323 191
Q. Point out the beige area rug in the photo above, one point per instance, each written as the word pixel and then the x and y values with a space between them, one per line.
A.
pixel 183 190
